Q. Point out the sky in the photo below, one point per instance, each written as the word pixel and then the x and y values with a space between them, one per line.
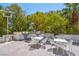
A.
pixel 30 8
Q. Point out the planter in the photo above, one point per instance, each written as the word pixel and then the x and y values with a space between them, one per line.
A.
pixel 19 36
pixel 16 33
pixel 24 32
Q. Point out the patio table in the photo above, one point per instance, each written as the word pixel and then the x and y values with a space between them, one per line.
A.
pixel 60 40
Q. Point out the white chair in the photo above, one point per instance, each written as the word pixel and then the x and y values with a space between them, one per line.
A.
pixel 36 39
pixel 68 46
pixel 43 41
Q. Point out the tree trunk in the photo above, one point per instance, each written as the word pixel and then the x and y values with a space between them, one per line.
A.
pixel 74 18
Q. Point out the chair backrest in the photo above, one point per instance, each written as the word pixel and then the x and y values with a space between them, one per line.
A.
pixel 70 42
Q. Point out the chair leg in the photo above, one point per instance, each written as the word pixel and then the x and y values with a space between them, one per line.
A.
pixel 63 51
pixel 57 49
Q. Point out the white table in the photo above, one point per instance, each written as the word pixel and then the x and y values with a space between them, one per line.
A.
pixel 60 40
pixel 37 38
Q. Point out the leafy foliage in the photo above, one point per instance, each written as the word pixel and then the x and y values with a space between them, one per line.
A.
pixel 3 25
pixel 15 8
pixel 57 22
pixel 50 22
pixel 19 24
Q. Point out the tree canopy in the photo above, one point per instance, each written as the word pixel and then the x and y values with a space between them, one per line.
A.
pixel 64 21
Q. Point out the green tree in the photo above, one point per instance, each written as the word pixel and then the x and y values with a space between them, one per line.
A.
pixel 20 23
pixel 71 12
pixel 37 19
pixel 15 8
pixel 19 19
pixel 3 25
pixel 57 23
pixel 1 7
pixel 49 22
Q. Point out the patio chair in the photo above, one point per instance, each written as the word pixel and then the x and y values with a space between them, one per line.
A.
pixel 35 42
pixel 68 46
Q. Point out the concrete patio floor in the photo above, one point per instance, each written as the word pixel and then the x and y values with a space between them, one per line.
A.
pixel 21 48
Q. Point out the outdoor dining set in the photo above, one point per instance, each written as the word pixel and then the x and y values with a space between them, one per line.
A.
pixel 57 43
pixel 43 38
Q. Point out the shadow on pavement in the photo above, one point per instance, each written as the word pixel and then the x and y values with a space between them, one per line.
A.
pixel 34 46
pixel 60 52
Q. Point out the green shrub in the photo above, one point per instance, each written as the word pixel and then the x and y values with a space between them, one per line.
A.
pixel 50 22
pixel 19 23
pixel 3 25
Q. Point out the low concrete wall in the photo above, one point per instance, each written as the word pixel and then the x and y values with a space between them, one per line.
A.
pixel 26 36
pixel 17 36
pixel 2 40
pixel 6 38
pixel 75 38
